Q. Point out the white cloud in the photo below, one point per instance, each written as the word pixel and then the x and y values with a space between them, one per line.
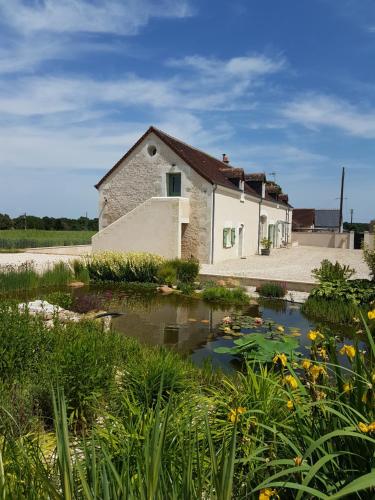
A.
pixel 43 30
pixel 123 17
pixel 316 110
pixel 238 67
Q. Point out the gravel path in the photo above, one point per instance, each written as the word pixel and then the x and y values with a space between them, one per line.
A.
pixel 291 264
pixel 40 260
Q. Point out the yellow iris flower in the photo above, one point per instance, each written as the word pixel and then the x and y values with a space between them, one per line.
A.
pixel 314 334
pixel 280 357
pixel 234 414
pixel 291 381
pixel 290 405
pixel 306 363
pixel 349 350
pixel 267 494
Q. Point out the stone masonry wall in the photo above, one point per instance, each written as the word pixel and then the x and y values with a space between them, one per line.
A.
pixel 142 176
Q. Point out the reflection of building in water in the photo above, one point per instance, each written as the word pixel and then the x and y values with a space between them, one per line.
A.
pixel 183 325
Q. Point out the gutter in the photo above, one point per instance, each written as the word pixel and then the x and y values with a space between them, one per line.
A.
pixel 213 224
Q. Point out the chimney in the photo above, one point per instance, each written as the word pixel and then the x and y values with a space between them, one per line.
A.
pixel 225 159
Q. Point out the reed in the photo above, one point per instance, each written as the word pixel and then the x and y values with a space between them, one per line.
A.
pixel 161 428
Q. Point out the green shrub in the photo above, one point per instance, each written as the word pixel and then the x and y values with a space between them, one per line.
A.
pixel 61 299
pixel 275 290
pixel 167 274
pixel 175 271
pixel 228 295
pixel 369 258
pixel 354 291
pixel 129 267
pixel 332 272
pixel 187 270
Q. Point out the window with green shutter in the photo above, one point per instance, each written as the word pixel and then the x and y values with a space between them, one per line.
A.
pixel 233 236
pixel 226 238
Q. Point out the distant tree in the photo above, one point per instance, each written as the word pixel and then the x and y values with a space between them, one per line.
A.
pixel 5 222
pixel 358 227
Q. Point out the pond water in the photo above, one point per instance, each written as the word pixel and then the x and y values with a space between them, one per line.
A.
pixel 188 325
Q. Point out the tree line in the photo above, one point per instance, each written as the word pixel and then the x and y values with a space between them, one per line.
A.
pixel 48 223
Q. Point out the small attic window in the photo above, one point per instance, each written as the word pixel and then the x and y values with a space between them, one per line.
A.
pixel 151 150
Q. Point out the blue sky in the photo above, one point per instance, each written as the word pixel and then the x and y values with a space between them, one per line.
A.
pixel 280 86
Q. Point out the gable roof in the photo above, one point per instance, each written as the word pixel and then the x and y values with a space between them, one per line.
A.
pixel 213 170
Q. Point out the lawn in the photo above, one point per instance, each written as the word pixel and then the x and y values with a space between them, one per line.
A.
pixel 31 238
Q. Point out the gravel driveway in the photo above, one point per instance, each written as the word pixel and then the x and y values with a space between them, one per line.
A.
pixel 40 260
pixel 288 264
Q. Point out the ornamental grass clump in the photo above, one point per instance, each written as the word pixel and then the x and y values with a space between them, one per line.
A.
pixel 123 267
pixel 273 290
pixel 236 295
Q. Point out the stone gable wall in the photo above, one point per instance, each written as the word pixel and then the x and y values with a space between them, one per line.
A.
pixel 142 176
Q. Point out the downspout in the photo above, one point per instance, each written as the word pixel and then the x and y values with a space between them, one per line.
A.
pixel 260 210
pixel 213 223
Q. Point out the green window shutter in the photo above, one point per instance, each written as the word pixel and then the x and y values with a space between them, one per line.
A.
pixel 225 237
pixel 233 236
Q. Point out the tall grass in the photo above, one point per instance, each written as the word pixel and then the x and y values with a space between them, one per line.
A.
pixel 32 238
pixel 151 426
pixel 331 311
pixel 25 277
pixel 225 295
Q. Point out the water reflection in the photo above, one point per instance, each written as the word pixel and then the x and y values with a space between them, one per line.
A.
pixel 189 326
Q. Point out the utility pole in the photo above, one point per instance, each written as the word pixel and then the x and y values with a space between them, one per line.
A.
pixel 25 221
pixel 351 215
pixel 342 200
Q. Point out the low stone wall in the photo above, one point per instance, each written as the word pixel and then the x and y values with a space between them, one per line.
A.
pixel 369 240
pixel 324 239
pixel 297 286
pixel 64 250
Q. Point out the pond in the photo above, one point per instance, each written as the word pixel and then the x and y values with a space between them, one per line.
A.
pixel 188 325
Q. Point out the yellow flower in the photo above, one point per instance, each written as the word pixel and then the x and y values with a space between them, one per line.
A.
pixel 280 357
pixel 315 371
pixel 322 353
pixel 280 328
pixel 306 363
pixel 349 350
pixel 227 329
pixel 291 381
pixel 371 427
pixel 371 314
pixel 363 427
pixel 348 387
pixel 314 334
pixel 267 494
pixel 298 461
pixel 290 405
pixel 233 415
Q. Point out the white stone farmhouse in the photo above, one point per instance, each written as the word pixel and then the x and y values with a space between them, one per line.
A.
pixel 166 197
